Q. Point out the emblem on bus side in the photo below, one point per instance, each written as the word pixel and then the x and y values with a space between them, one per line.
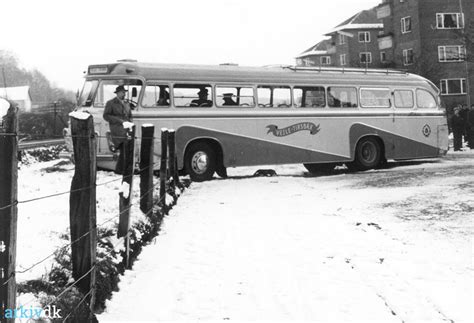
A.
pixel 426 130
pixel 311 127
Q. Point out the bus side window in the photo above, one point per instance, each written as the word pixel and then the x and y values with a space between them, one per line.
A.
pixel 342 97
pixel 425 100
pixel 309 97
pixel 156 95
pixel 274 96
pixel 192 95
pixel 375 98
pixel 234 96
pixel 404 99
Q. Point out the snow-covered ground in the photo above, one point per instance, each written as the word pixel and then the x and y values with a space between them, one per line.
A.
pixel 391 245
pixel 41 223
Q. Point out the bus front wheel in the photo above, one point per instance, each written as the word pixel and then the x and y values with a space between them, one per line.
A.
pixel 200 162
pixel 368 154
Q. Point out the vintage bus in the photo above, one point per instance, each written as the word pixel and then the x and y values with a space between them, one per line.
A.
pixel 229 116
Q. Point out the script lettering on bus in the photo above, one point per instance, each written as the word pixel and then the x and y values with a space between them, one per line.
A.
pixel 311 127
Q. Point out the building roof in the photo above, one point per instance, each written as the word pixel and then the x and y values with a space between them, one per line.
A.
pixel 16 93
pixel 365 19
pixel 320 48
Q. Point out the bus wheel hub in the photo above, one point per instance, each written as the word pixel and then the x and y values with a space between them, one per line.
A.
pixel 199 162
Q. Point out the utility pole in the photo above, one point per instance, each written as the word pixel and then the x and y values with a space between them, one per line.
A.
pixel 466 55
pixel 55 104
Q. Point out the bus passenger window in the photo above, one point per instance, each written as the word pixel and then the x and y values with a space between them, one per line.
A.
pixel 425 99
pixel 342 97
pixel 274 96
pixel 403 99
pixel 309 97
pixel 234 96
pixel 375 98
pixel 192 95
pixel 156 95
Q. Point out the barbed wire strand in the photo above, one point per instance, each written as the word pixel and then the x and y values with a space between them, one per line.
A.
pixel 70 244
pixel 77 189
pixel 77 306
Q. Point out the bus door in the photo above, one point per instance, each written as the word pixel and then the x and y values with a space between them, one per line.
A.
pixel 94 97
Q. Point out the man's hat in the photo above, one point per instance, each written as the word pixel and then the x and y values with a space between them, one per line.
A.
pixel 227 95
pixel 120 88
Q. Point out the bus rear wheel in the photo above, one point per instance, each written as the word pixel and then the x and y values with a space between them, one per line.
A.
pixel 368 154
pixel 200 162
pixel 315 168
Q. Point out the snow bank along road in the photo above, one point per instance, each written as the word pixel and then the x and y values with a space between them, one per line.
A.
pixel 392 245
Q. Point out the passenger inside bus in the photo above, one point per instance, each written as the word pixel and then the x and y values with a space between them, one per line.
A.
pixel 202 101
pixel 164 98
pixel 227 97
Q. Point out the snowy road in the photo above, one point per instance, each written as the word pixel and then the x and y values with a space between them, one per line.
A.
pixel 392 245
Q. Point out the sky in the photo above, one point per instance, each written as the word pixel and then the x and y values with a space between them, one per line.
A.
pixel 61 38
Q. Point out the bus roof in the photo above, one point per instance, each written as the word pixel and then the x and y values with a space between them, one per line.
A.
pixel 231 73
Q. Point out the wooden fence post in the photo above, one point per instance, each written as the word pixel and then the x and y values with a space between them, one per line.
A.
pixel 125 196
pixel 163 166
pixel 82 201
pixel 146 168
pixel 8 208
pixel 171 158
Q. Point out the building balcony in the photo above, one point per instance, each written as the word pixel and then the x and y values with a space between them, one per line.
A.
pixel 383 11
pixel 385 42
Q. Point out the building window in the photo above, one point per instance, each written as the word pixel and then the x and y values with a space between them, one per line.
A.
pixel 342 39
pixel 342 58
pixel 453 86
pixel 451 53
pixel 383 57
pixel 406 25
pixel 365 57
pixel 364 37
pixel 325 60
pixel 408 56
pixel 449 20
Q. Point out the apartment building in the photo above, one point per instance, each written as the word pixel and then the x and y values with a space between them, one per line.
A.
pixel 352 43
pixel 321 54
pixel 432 38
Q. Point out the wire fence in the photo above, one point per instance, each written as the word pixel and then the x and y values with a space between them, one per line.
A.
pixel 161 201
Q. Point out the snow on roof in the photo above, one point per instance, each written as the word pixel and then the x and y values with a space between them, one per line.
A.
pixel 16 93
pixel 366 19
pixel 320 48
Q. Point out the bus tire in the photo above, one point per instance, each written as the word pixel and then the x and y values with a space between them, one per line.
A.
pixel 368 154
pixel 315 168
pixel 200 162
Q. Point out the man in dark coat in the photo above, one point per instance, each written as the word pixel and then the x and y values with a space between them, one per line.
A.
pixel 458 124
pixel 470 127
pixel 119 116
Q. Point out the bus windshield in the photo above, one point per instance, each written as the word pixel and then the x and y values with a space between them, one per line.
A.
pixel 85 100
pixel 97 92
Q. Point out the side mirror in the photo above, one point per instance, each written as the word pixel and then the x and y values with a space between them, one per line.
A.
pixel 134 92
